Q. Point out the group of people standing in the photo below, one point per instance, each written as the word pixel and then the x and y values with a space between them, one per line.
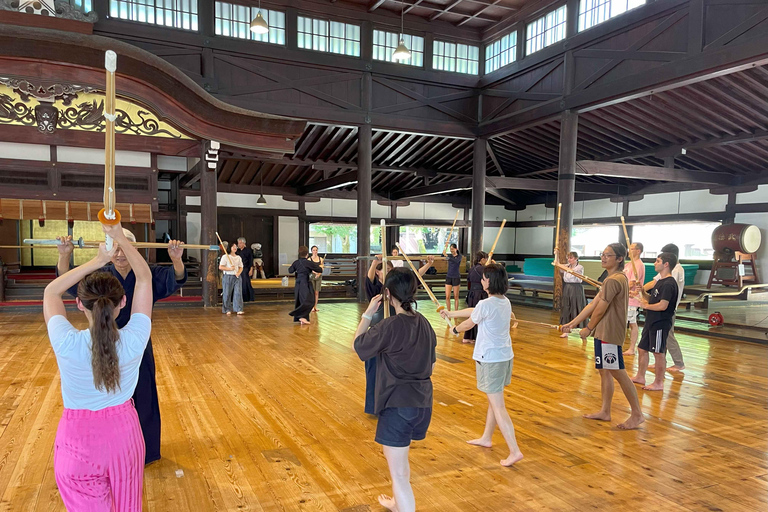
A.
pixel 238 266
pixel 622 294
pixel 399 355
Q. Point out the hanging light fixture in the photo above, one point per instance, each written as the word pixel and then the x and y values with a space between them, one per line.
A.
pixel 259 24
pixel 261 199
pixel 401 52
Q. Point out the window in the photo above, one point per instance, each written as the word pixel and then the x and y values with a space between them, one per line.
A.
pixel 84 6
pixel 545 31
pixel 384 44
pixel 590 241
pixel 694 239
pixel 235 21
pixel 426 239
pixel 500 53
pixel 170 13
pixel 333 238
pixel 456 57
pixel 594 12
pixel 329 36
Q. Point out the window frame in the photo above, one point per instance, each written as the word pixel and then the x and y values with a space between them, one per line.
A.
pixel 546 29
pixel 390 51
pixel 511 50
pixel 267 14
pixel 455 57
pixel 157 7
pixel 602 5
pixel 328 37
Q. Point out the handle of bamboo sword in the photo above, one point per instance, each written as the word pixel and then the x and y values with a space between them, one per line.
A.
pixel 424 284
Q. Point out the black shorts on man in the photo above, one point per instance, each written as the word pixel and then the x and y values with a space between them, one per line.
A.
pixel 398 426
pixel 654 340
pixel 608 356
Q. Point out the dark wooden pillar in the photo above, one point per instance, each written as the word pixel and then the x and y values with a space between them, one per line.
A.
pixel 566 185
pixel 478 196
pixel 208 226
pixel 303 225
pixel 393 232
pixel 572 18
pixel 364 136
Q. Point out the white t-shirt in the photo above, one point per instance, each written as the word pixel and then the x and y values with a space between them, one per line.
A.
pixel 397 263
pixel 237 262
pixel 73 355
pixel 679 274
pixel 493 344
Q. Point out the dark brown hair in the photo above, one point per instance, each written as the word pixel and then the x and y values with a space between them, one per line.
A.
pixel 670 258
pixel 390 266
pixel 479 256
pixel 303 251
pixel 498 279
pixel 401 284
pixel 101 293
pixel 574 254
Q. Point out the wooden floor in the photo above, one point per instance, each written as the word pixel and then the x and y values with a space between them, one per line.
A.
pixel 261 414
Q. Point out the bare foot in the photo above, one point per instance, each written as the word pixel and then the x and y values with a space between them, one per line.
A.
pixel 631 423
pixel 629 352
pixel 240 313
pixel 638 380
pixel 513 457
pixel 514 326
pixel 467 341
pixel 480 442
pixel 388 502
pixel 654 387
pixel 601 416
pixel 229 313
pixel 303 322
pixel 314 310
pixel 675 368
pixel 564 335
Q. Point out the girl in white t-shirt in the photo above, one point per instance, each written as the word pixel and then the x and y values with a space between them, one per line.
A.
pixel 493 355
pixel 231 285
pixel 99 448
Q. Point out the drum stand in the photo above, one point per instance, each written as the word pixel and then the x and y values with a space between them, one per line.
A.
pixel 728 272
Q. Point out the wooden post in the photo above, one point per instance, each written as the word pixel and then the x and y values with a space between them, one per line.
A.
pixel 364 136
pixel 566 186
pixel 384 259
pixel 478 195
pixel 208 223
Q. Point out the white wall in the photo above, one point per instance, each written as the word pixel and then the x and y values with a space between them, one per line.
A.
pixel 288 242
pixel 534 241
pixel 535 212
pixel 690 201
pixel 230 200
pixel 37 152
pixel 597 208
pixel 96 156
pixel 758 196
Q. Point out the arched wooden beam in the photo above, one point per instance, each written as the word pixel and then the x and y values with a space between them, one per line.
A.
pixel 53 57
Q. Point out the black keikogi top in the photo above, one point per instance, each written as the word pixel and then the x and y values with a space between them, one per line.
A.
pixel 404 347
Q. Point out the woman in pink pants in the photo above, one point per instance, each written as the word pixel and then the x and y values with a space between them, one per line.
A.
pixel 99 451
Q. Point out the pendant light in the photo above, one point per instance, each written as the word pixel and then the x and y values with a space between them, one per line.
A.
pixel 401 52
pixel 259 24
pixel 261 199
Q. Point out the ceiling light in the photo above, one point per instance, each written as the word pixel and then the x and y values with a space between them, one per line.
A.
pixel 401 52
pixel 259 24
pixel 261 199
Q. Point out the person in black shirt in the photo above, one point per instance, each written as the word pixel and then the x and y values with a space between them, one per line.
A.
pixel 453 277
pixel 475 292
pixel 246 255
pixel 303 292
pixel 373 287
pixel 659 304
pixel 404 347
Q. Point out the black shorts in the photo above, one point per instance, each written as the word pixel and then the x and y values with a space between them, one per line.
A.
pixel 398 426
pixel 608 356
pixel 453 281
pixel 654 340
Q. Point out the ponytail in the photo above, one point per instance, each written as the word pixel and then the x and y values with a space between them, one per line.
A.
pixel 101 293
pixel 401 284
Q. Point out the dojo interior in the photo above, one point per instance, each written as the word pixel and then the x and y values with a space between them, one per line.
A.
pixel 652 114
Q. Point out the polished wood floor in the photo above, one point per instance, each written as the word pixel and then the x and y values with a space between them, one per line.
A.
pixel 261 414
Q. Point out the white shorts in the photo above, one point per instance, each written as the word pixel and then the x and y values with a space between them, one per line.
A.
pixel 632 314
